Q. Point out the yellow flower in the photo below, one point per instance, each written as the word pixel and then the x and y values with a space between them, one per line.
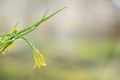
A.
pixel 39 60
pixel 9 47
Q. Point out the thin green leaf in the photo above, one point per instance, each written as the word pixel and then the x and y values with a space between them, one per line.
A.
pixel 34 26
pixel 45 14
pixel 54 14
pixel 14 28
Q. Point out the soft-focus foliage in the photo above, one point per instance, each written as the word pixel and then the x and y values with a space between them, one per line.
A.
pixel 81 43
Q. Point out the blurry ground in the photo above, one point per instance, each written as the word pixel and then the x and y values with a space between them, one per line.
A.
pixel 80 43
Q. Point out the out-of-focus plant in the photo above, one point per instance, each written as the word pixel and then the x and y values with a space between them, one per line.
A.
pixel 7 40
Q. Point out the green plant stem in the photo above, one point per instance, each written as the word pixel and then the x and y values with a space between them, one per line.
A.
pixel 30 44
pixel 34 26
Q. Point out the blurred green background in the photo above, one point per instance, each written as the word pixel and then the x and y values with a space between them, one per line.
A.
pixel 80 43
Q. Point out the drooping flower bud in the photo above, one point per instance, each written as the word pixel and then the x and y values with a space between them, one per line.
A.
pixel 39 60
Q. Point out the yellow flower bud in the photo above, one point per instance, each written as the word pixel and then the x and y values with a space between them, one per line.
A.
pixel 9 47
pixel 39 60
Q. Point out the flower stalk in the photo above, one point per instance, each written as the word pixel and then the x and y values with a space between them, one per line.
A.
pixel 38 58
pixel 7 40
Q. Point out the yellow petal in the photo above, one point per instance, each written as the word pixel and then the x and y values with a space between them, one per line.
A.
pixel 9 47
pixel 3 52
pixel 39 60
